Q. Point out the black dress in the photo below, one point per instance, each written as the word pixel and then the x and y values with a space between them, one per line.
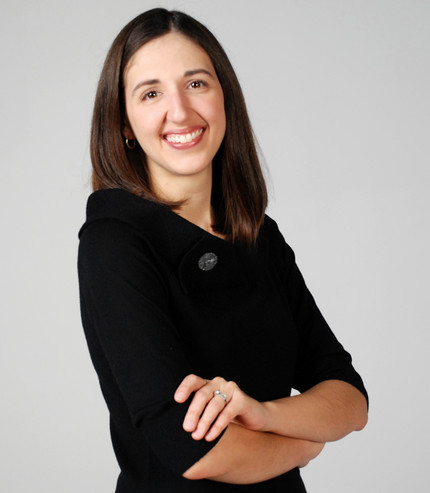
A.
pixel 162 298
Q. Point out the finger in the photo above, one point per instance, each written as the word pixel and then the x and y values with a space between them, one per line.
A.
pixel 225 417
pixel 200 400
pixel 210 414
pixel 191 383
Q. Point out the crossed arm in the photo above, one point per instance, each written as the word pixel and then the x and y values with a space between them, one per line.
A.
pixel 264 440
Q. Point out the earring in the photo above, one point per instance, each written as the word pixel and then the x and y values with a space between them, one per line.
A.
pixel 130 143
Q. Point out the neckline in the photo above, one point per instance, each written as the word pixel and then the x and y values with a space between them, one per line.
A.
pixel 125 205
pixel 182 219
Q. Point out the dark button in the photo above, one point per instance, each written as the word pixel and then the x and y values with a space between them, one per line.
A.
pixel 208 261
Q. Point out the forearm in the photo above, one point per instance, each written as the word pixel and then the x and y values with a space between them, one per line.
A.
pixel 326 412
pixel 243 456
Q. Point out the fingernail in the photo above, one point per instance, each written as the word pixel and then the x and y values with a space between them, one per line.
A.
pixel 197 435
pixel 180 396
pixel 188 425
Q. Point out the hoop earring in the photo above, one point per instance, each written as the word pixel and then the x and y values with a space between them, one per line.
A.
pixel 130 143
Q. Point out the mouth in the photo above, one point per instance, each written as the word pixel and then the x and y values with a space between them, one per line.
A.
pixel 181 138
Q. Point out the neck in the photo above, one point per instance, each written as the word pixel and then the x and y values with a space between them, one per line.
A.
pixel 197 209
pixel 195 191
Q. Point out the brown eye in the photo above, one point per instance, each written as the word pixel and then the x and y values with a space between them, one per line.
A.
pixel 150 95
pixel 198 84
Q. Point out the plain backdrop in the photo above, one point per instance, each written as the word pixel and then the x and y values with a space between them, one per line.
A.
pixel 338 93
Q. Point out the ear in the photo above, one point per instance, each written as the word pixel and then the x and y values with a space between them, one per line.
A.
pixel 127 131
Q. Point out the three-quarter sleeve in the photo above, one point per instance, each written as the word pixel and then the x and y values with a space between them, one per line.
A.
pixel 320 355
pixel 135 347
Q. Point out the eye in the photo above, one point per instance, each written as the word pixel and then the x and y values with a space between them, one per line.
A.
pixel 198 84
pixel 150 95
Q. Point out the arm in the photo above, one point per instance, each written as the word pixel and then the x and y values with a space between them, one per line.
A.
pixel 326 412
pixel 244 457
pixel 333 401
pixel 135 346
pixel 124 314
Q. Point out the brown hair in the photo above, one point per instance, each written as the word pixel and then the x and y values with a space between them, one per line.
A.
pixel 239 195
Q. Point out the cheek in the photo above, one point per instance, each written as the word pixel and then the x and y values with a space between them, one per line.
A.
pixel 216 115
pixel 145 124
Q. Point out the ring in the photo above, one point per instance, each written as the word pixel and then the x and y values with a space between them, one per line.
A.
pixel 218 393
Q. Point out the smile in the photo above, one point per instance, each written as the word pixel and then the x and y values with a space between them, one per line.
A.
pixel 184 138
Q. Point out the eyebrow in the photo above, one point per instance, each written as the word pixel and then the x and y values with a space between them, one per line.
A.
pixel 198 71
pixel 188 73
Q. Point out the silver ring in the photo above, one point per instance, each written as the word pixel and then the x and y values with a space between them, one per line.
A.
pixel 218 393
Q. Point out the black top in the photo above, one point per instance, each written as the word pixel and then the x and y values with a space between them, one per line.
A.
pixel 156 308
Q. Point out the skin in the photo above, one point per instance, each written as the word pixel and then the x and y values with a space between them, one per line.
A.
pixel 172 92
pixel 244 456
pixel 171 89
pixel 326 412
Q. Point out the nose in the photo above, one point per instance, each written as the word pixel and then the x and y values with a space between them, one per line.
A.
pixel 178 108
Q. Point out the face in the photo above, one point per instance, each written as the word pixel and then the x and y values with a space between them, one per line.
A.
pixel 175 109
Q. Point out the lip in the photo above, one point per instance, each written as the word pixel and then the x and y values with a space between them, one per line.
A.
pixel 182 133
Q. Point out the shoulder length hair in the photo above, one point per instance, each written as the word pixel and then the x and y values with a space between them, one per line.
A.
pixel 239 195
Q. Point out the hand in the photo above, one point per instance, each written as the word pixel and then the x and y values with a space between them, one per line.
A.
pixel 209 414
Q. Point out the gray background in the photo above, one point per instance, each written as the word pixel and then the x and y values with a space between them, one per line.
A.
pixel 338 95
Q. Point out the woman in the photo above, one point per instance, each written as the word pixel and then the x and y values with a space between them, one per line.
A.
pixel 196 316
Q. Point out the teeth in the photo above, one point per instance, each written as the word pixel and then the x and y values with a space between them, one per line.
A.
pixel 183 138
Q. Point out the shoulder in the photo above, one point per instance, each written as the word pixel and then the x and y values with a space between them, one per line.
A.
pixel 273 240
pixel 117 219
pixel 270 229
pixel 121 206
pixel 119 224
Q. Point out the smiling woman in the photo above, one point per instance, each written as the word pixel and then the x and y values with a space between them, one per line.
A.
pixel 177 119
pixel 192 81
pixel 197 318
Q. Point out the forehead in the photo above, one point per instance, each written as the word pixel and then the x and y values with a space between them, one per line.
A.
pixel 170 53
